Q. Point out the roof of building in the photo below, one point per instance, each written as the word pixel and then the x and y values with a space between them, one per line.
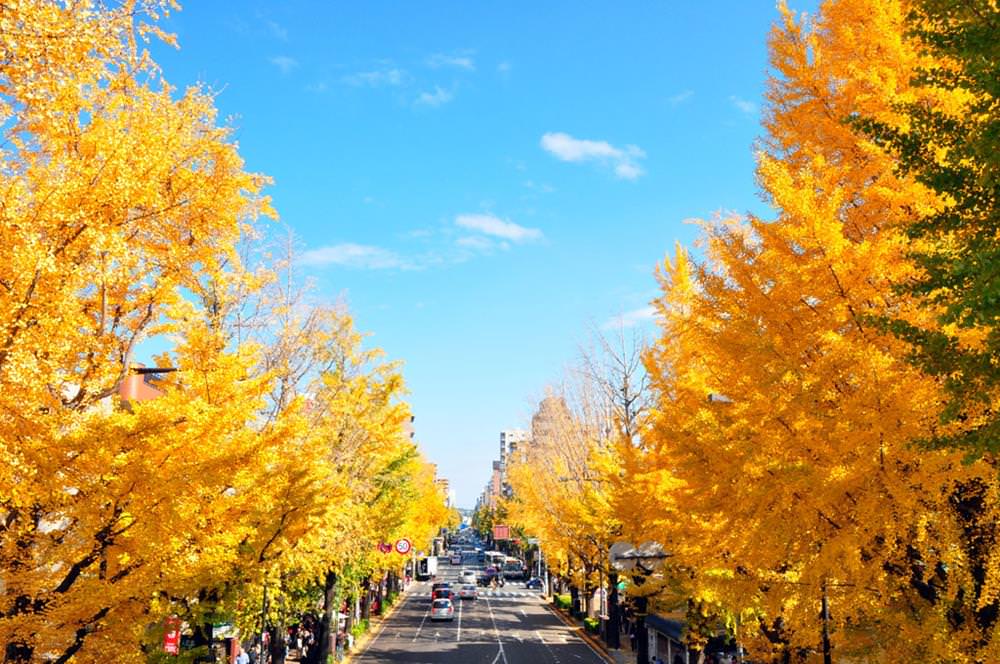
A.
pixel 666 626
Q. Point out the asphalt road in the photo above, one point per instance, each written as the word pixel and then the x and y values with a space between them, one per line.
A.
pixel 506 626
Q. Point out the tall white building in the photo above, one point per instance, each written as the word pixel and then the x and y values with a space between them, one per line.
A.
pixel 510 441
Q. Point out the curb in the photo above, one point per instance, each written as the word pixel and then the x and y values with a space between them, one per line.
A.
pixel 594 643
pixel 361 646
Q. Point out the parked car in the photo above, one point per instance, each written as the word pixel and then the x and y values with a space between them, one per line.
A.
pixel 533 583
pixel 442 609
pixel 468 591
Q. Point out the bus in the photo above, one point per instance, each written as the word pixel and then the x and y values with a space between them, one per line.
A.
pixel 495 559
pixel 514 569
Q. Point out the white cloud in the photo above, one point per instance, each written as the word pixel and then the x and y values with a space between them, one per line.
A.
pixel 284 62
pixel 360 256
pixel 627 170
pixel 541 187
pixel 680 97
pixel 276 29
pixel 477 242
pixel 745 106
pixel 487 224
pixel 630 318
pixel 567 148
pixel 439 60
pixel 437 98
pixel 388 76
pixel 503 68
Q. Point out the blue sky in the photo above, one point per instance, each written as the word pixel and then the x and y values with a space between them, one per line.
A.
pixel 486 182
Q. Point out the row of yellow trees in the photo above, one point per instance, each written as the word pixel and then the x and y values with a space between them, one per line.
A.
pixel 823 406
pixel 276 459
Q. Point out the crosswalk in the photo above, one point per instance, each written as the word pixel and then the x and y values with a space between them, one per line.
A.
pixel 507 594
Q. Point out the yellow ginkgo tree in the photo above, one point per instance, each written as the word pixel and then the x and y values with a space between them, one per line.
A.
pixel 785 411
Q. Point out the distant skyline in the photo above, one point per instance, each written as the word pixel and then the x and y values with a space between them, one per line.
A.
pixel 484 184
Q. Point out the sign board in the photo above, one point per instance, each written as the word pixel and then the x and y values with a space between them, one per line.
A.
pixel 403 546
pixel 384 548
pixel 224 631
pixel 172 637
pixel 501 533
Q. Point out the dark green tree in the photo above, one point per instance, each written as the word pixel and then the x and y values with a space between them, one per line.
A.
pixel 955 151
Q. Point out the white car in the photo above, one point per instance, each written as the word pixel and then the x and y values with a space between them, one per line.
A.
pixel 442 609
pixel 468 576
pixel 468 591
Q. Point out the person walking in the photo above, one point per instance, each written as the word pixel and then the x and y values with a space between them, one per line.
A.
pixel 242 657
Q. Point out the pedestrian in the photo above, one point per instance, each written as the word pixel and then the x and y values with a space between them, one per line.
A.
pixel 242 657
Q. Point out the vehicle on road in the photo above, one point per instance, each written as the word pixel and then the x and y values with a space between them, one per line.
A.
pixel 468 591
pixel 427 568
pixel 513 569
pixel 442 593
pixel 468 576
pixel 442 609
pixel 533 583
pixel 440 584
pixel 456 559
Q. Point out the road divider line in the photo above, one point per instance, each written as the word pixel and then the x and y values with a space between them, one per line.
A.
pixel 363 649
pixel 496 631
pixel 422 620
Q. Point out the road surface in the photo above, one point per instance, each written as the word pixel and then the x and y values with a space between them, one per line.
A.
pixel 510 625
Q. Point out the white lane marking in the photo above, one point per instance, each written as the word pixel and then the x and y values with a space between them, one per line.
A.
pixel 458 635
pixel 547 646
pixel 500 653
pixel 426 613
pixel 385 623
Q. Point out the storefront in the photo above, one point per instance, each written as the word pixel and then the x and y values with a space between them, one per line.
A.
pixel 665 640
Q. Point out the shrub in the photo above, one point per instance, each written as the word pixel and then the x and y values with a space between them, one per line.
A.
pixel 359 628
pixel 592 625
pixel 563 601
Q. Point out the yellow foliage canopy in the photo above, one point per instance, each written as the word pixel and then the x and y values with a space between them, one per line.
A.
pixel 785 411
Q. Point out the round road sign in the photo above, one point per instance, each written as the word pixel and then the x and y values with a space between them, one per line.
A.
pixel 403 546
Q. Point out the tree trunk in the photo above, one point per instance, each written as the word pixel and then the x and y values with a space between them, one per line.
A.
pixel 613 633
pixel 277 648
pixel 366 599
pixel 325 639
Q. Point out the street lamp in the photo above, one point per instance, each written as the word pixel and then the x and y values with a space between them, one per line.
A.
pixel 641 562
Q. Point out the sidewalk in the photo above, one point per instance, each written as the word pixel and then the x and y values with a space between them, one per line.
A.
pixel 624 655
pixel 375 626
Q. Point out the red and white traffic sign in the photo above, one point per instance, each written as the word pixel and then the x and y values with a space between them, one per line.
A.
pixel 403 546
